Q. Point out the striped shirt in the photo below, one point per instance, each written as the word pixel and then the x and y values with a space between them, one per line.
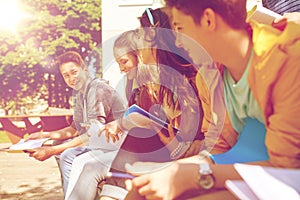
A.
pixel 282 6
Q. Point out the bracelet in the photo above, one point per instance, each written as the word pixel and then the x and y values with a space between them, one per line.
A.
pixel 174 154
pixel 204 154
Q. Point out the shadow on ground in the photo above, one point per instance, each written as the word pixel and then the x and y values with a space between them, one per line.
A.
pixel 43 191
pixel 23 177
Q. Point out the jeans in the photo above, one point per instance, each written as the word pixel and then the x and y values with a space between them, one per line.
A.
pixel 87 171
pixel 65 163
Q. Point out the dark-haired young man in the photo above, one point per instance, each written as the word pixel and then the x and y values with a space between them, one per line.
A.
pixel 95 100
pixel 261 80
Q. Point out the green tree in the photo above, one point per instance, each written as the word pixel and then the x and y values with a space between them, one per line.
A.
pixel 27 62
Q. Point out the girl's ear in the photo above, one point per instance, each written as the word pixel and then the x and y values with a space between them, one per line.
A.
pixel 209 19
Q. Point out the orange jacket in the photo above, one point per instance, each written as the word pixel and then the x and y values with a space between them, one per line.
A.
pixel 274 79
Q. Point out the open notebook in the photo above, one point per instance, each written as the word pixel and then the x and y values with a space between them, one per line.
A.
pixel 265 183
pixel 26 146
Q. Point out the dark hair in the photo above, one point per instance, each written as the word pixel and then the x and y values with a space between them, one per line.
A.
pixel 144 96
pixel 168 55
pixel 163 41
pixel 233 12
pixel 70 56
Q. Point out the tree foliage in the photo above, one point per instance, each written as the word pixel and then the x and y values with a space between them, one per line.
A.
pixel 27 62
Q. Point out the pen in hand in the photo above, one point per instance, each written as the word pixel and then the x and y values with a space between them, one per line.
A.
pixel 119 175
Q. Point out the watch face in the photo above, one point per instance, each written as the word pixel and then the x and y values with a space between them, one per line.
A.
pixel 207 181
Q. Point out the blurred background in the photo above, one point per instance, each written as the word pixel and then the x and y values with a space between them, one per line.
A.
pixel 32 34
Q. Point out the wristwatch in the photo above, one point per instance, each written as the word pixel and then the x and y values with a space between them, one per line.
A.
pixel 206 178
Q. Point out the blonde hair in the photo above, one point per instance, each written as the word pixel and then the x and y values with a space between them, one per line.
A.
pixel 126 42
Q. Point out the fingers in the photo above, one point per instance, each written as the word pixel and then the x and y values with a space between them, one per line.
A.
pixel 30 151
pixel 35 136
pixel 143 186
pixel 102 130
pixel 277 20
pixel 188 153
pixel 147 191
pixel 111 131
pixel 137 183
pixel 170 128
pixel 112 137
pixel 128 185
pixel 35 155
pixel 107 136
pixel 40 153
pixel 163 138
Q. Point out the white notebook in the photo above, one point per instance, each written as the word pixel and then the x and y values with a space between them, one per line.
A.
pixel 240 189
pixel 28 146
pixel 266 183
pixel 262 15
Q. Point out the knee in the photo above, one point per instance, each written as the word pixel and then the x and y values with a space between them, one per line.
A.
pixel 88 167
pixel 78 162
pixel 66 157
pixel 94 169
